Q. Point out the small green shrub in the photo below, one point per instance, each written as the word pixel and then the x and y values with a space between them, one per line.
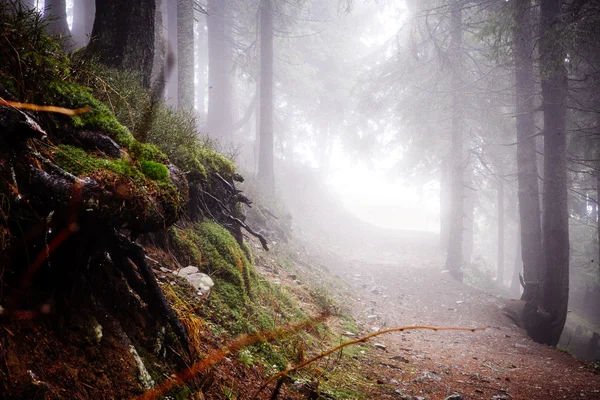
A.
pixel 154 170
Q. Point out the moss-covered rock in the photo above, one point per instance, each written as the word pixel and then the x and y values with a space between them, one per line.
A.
pixel 99 117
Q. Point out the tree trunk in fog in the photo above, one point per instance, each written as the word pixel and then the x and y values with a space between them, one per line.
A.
pixel 219 114
pixel 468 216
pixel 529 201
pixel 185 54
pixel 515 283
pixel 172 75
pixel 265 150
pixel 556 217
pixel 500 206
pixel 158 63
pixel 200 67
pixel 123 35
pixel 56 14
pixel 84 12
pixel 454 255
pixel 445 202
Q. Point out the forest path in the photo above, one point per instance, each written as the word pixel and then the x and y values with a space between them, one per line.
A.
pixel 401 284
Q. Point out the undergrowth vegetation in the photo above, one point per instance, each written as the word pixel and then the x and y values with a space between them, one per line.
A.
pixel 142 156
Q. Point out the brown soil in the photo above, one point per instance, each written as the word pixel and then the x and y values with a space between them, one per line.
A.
pixel 405 286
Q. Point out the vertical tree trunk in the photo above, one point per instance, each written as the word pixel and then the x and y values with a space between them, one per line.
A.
pixel 445 194
pixel 200 67
pixel 468 216
pixel 123 35
pixel 185 54
pixel 500 205
pixel 515 282
pixel 454 255
pixel 219 117
pixel 158 63
pixel 265 153
pixel 56 14
pixel 556 217
pixel 172 73
pixel 84 12
pixel 529 201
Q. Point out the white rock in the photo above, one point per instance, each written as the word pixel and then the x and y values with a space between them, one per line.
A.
pixel 189 270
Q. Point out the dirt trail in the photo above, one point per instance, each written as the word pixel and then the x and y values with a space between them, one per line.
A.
pixel 402 284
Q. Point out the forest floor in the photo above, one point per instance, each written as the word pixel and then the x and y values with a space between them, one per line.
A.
pixel 401 283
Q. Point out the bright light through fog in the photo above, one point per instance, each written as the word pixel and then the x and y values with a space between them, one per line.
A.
pixel 368 193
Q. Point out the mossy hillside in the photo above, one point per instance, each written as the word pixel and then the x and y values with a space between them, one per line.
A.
pixel 175 133
pixel 241 301
pixel 149 200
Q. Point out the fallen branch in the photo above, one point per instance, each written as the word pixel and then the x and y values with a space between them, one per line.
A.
pixel 35 107
pixel 237 344
pixel 353 342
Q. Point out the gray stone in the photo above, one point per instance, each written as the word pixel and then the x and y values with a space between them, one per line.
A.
pixel 199 280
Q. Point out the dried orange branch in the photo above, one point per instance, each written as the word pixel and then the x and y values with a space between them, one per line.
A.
pixel 356 341
pixel 54 109
pixel 216 356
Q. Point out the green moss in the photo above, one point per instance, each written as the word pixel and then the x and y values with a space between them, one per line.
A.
pixel 147 151
pixel 99 117
pixel 154 170
pixel 76 161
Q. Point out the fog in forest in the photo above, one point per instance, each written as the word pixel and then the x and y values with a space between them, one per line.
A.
pixel 470 129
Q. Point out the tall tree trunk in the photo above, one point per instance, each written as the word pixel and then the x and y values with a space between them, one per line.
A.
pixel 515 282
pixel 84 12
pixel 445 194
pixel 56 14
pixel 529 198
pixel 123 35
pixel 556 217
pixel 185 54
pixel 200 67
pixel 219 117
pixel 265 153
pixel 158 63
pixel 468 216
pixel 454 255
pixel 172 75
pixel 500 205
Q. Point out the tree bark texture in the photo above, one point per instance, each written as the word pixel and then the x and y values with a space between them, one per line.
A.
pixel 185 54
pixel 265 153
pixel 529 197
pixel 556 217
pixel 84 12
pixel 454 256
pixel 123 35
pixel 218 120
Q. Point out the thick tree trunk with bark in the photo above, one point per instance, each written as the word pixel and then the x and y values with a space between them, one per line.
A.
pixel 454 256
pixel 556 218
pixel 84 12
pixel 185 54
pixel 529 201
pixel 218 120
pixel 265 153
pixel 123 35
